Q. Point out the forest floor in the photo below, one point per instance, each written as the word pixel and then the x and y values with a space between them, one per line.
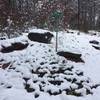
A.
pixel 37 72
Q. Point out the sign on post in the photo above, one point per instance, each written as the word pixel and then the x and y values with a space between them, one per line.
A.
pixel 56 15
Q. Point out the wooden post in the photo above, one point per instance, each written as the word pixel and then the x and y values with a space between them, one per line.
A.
pixel 56 41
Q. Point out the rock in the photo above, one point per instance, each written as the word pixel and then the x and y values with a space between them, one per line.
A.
pixel 95 86
pixel 19 46
pixel 54 93
pixel 42 38
pixel 96 47
pixel 36 95
pixel 26 79
pixel 28 88
pixel 9 87
pixel 2 38
pixel 14 47
pixel 56 82
pixel 5 65
pixel 94 42
pixel 71 56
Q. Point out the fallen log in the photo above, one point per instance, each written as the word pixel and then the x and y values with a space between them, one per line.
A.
pixel 71 56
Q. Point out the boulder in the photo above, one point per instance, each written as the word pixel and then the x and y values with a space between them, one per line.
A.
pixel 14 47
pixel 40 37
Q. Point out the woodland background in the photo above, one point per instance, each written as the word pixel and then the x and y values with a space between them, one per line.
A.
pixel 19 15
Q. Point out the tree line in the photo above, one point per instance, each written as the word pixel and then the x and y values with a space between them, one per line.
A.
pixel 75 14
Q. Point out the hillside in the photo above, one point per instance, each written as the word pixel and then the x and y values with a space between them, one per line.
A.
pixel 33 70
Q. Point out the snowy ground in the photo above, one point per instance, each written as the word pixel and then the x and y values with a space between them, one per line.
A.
pixel 44 58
